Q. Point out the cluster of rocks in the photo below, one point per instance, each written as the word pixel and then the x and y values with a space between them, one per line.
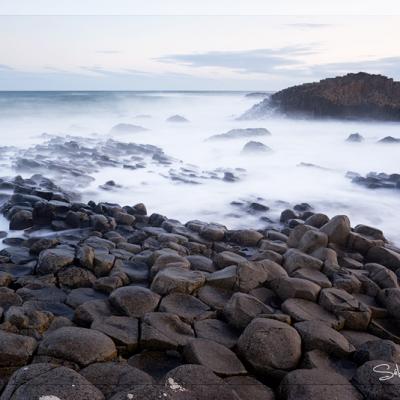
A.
pixel 357 138
pixel 112 303
pixel 375 180
pixel 353 96
pixel 72 160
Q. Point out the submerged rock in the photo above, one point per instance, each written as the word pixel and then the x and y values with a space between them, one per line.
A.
pixel 177 118
pixel 255 147
pixel 355 138
pixel 241 133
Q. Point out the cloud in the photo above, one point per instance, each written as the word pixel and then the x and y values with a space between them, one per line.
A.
pixel 4 67
pixel 389 66
pixel 305 25
pixel 108 52
pixel 249 61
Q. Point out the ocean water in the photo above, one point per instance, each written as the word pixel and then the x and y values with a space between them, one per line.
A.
pixel 275 179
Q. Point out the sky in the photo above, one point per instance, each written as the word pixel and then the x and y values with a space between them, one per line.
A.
pixel 154 47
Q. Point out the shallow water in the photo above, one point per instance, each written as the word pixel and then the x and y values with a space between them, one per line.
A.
pixel 273 177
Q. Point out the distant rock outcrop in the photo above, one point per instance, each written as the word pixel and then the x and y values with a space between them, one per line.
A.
pixel 241 133
pixel 389 140
pixel 255 147
pixel 127 128
pixel 355 138
pixel 177 118
pixel 353 96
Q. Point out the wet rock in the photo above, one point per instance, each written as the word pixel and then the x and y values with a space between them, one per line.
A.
pixel 21 220
pixel 215 297
pixel 389 140
pixel 268 345
pixel 381 275
pixel 338 230
pixel 214 356
pixel 79 345
pixel 241 133
pixel 75 277
pixel 52 260
pixel 227 258
pixel 177 118
pixel 355 138
pixel 134 301
pixel 378 350
pixel 385 257
pixel 253 147
pixel 294 259
pixel 15 350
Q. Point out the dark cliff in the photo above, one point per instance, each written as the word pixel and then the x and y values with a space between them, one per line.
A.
pixel 360 95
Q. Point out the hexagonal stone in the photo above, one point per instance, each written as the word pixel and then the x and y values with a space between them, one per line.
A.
pixel 177 280
pixel 164 331
pixel 268 344
pixel 187 307
pixel 214 356
pixel 134 301
pixel 113 377
pixel 49 382
pixel 305 310
pixel 217 331
pixel 123 330
pixel 79 345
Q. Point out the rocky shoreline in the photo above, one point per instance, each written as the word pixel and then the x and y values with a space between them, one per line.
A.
pixel 99 301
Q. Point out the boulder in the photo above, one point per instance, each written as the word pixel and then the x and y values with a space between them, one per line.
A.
pixel 316 335
pixel 242 308
pixel 113 377
pixel 294 259
pixel 164 331
pixel 52 260
pixel 15 350
pixel 253 147
pixel 295 288
pixel 356 314
pixel 305 310
pixel 185 306
pixel 305 384
pixel 134 301
pixel 21 220
pixel 124 331
pixel 384 256
pixel 79 345
pixel 217 331
pixel 49 382
pixel 370 380
pixel 214 356
pixel 248 388
pixel 384 277
pixel 338 230
pixel 268 344
pixel 177 280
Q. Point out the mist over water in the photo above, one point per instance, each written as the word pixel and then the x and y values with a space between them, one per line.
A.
pixel 274 178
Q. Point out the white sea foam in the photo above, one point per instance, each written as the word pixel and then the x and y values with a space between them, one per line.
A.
pixel 274 176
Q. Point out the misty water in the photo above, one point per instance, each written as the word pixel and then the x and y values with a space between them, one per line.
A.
pixel 274 179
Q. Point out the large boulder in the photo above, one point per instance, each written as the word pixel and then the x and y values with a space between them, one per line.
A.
pixel 78 345
pixel 49 382
pixel 217 331
pixel 384 256
pixel 267 344
pixel 288 287
pixel 52 260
